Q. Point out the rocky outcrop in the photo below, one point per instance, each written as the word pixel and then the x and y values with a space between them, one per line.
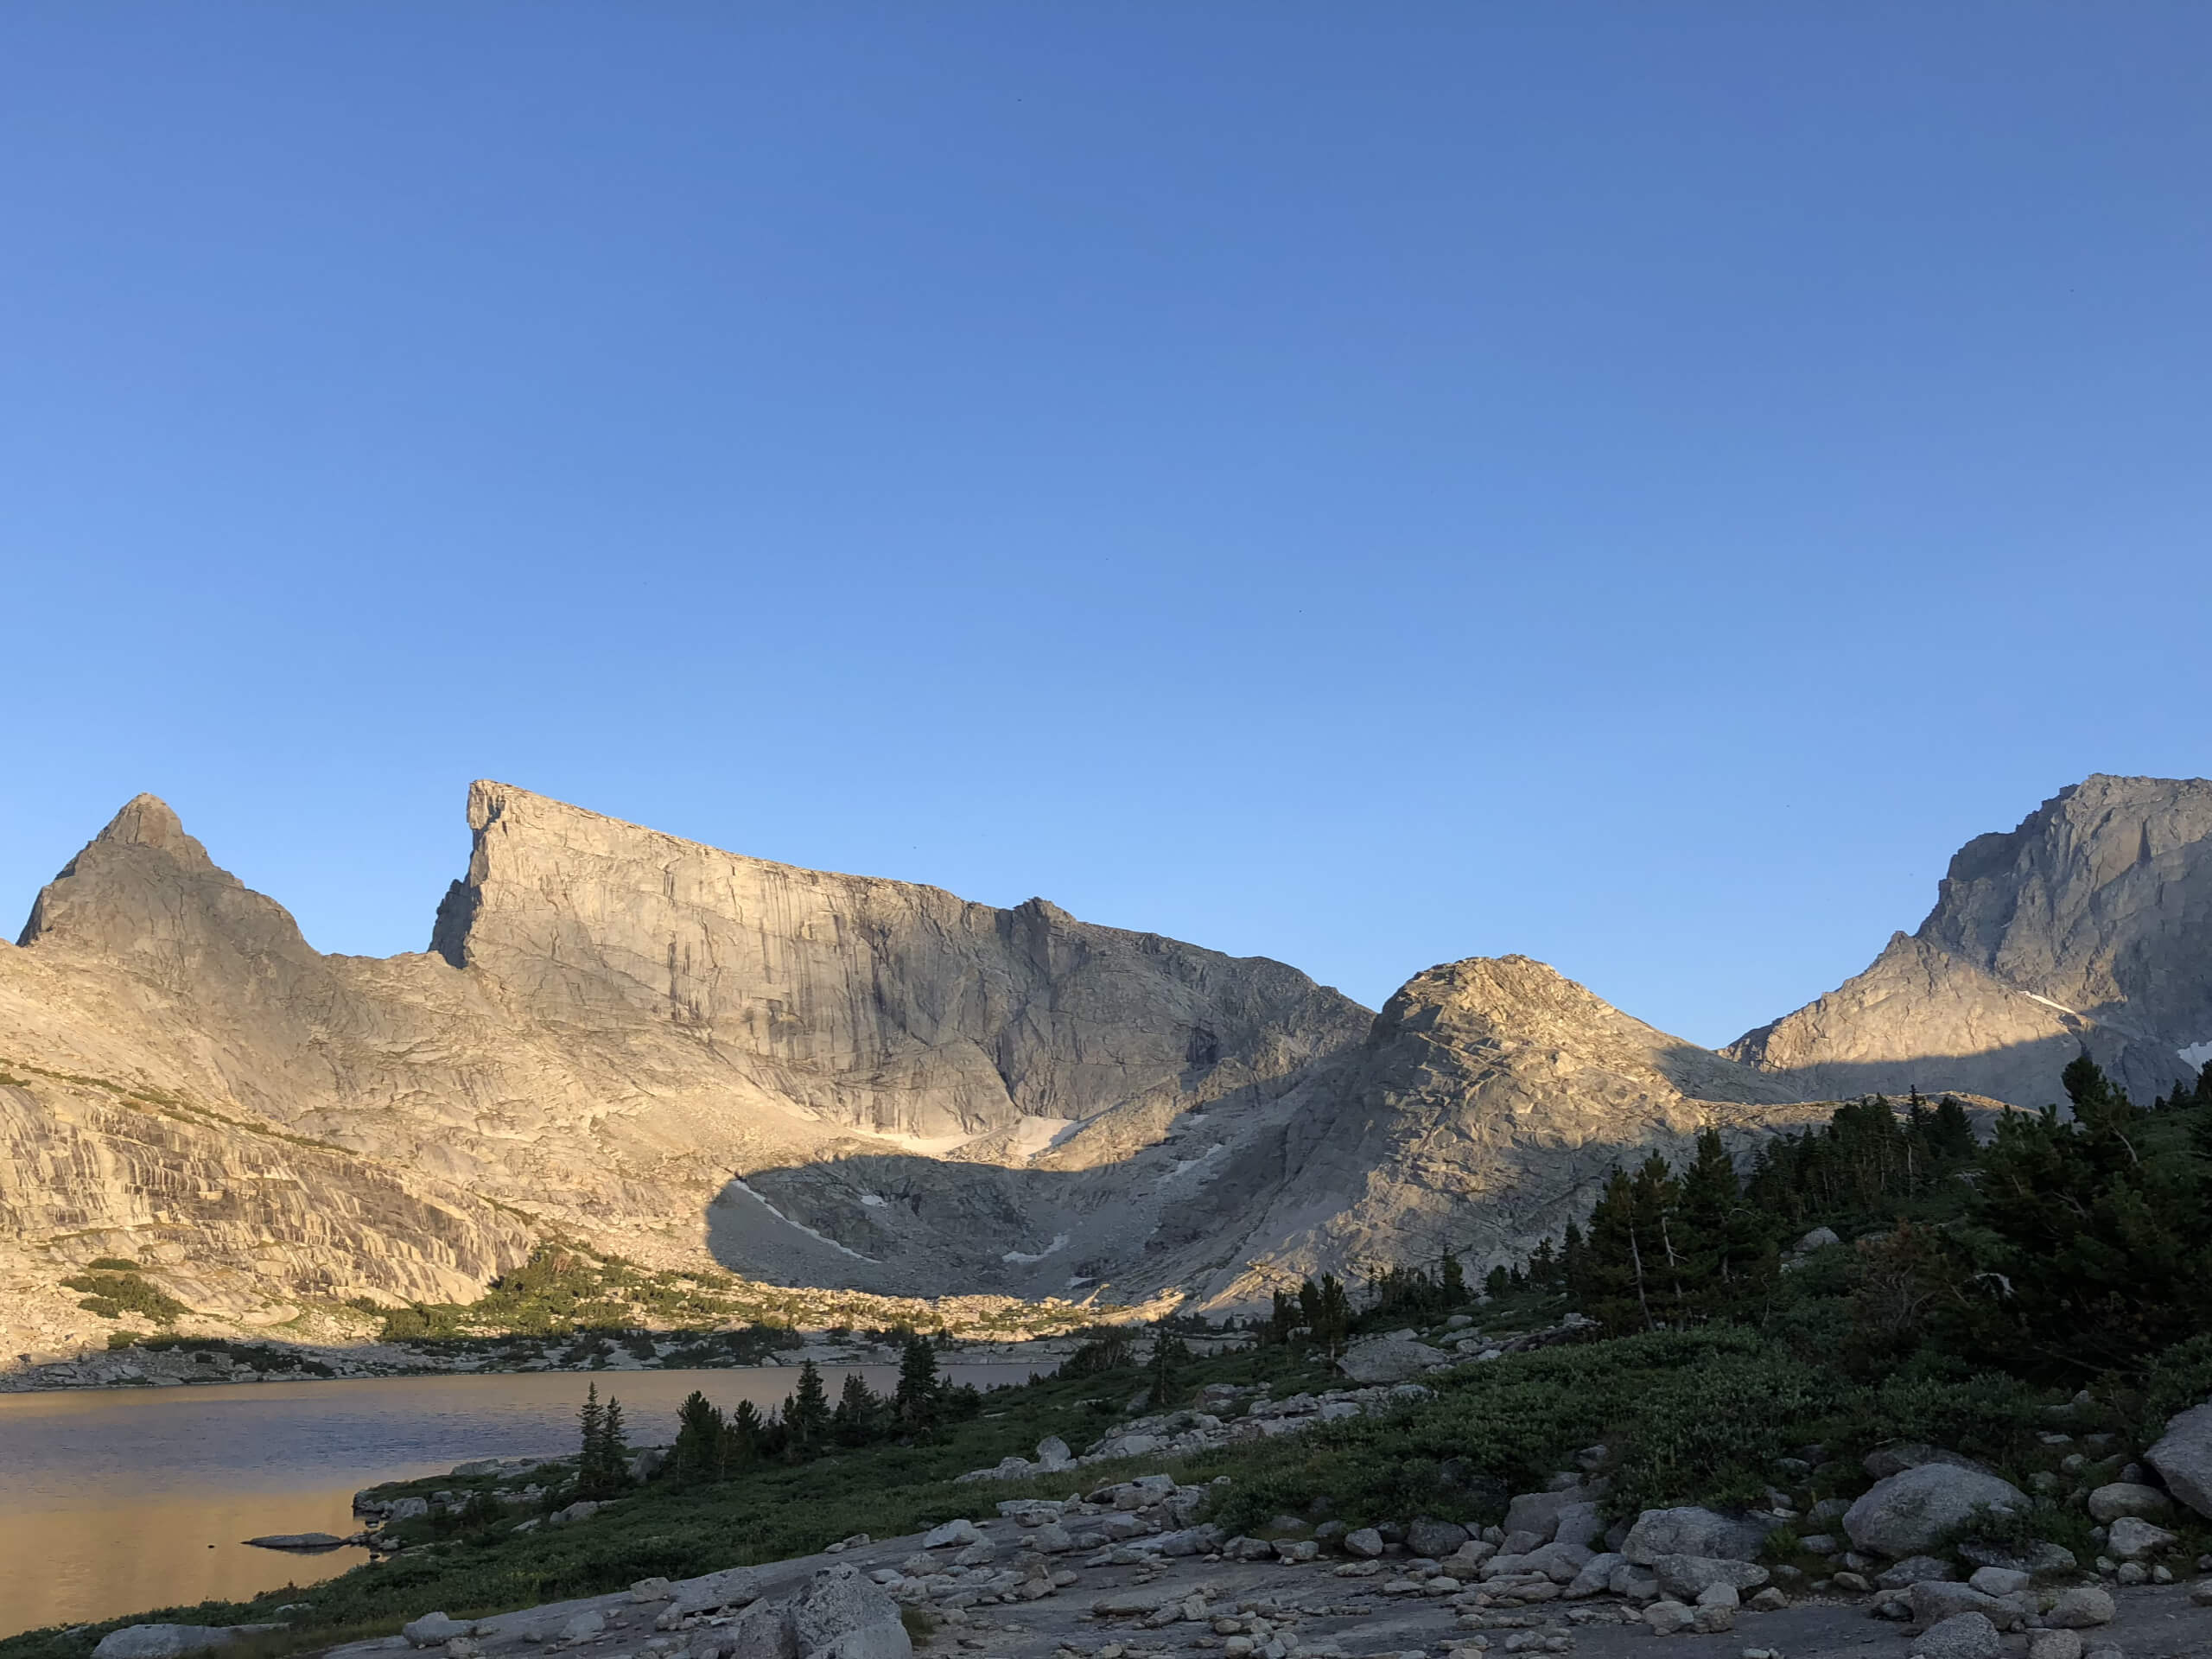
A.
pixel 676 1051
pixel 2087 929
pixel 1491 1098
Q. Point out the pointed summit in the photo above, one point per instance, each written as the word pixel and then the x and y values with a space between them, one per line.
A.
pixel 143 891
pixel 149 821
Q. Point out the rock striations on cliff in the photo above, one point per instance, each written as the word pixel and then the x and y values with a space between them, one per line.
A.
pixel 2087 929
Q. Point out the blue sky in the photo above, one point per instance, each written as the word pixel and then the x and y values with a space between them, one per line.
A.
pixel 1635 485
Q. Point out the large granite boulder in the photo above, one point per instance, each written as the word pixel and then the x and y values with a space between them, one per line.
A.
pixel 1390 1359
pixel 1691 1531
pixel 1916 1510
pixel 2182 1457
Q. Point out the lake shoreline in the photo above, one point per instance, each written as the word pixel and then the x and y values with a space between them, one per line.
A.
pixel 124 1499
pixel 218 1363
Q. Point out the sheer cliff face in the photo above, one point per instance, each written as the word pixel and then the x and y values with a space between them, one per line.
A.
pixel 822 1078
pixel 1485 1110
pixel 2088 928
pixel 880 1005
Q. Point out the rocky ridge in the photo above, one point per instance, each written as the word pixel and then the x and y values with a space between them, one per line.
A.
pixel 2082 929
pixel 1485 1108
pixel 681 1053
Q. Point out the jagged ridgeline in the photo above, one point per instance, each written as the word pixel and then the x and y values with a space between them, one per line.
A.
pixel 697 1061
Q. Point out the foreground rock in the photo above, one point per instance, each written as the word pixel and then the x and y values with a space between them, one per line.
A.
pixel 2182 1457
pixel 1916 1510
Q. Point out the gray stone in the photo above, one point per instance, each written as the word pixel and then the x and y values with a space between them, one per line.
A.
pixel 1053 1452
pixel 1910 1512
pixel 1596 1575
pixel 1965 1636
pixel 2129 1540
pixel 1669 1618
pixel 763 1630
pixel 1895 1457
pixel 1691 1531
pixel 1710 1620
pixel 1820 1238
pixel 2000 1580
pixel 1435 1538
pixel 297 1541
pixel 1579 1523
pixel 2053 1645
pixel 1933 1601
pixel 1390 1359
pixel 1916 1569
pixel 960 1531
pixel 2082 1607
pixel 2182 1457
pixel 161 1640
pixel 1688 1577
pixel 2038 1559
pixel 1366 1542
pixel 2124 1497
pixel 434 1631
pixel 840 1614
pixel 583 1626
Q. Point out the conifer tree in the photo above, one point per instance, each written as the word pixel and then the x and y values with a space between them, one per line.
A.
pixel 1169 1356
pixel 854 1421
pixel 920 1391
pixel 806 1413
pixel 1451 1279
pixel 602 1459
pixel 1282 1320
pixel 2105 1255
pixel 742 1440
pixel 700 1431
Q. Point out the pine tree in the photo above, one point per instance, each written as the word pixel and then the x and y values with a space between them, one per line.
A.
pixel 806 1412
pixel 1451 1279
pixel 700 1431
pixel 602 1459
pixel 920 1391
pixel 1951 1134
pixel 2106 1257
pixel 1282 1320
pixel 1497 1283
pixel 1169 1356
pixel 1328 1315
pixel 741 1439
pixel 858 1413
pixel 1615 1288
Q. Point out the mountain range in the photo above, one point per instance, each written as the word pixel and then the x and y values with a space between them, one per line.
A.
pixel 692 1056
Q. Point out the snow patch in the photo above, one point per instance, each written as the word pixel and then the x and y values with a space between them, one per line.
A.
pixel 801 1226
pixel 1060 1242
pixel 874 1201
pixel 2047 1003
pixel 2199 1054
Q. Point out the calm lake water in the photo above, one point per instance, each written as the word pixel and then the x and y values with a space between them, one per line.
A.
pixel 123 1500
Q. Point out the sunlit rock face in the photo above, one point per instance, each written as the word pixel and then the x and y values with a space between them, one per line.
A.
pixel 620 1035
pixel 2088 928
pixel 1491 1101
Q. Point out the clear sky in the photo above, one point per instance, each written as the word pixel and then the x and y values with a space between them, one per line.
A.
pixel 1634 484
